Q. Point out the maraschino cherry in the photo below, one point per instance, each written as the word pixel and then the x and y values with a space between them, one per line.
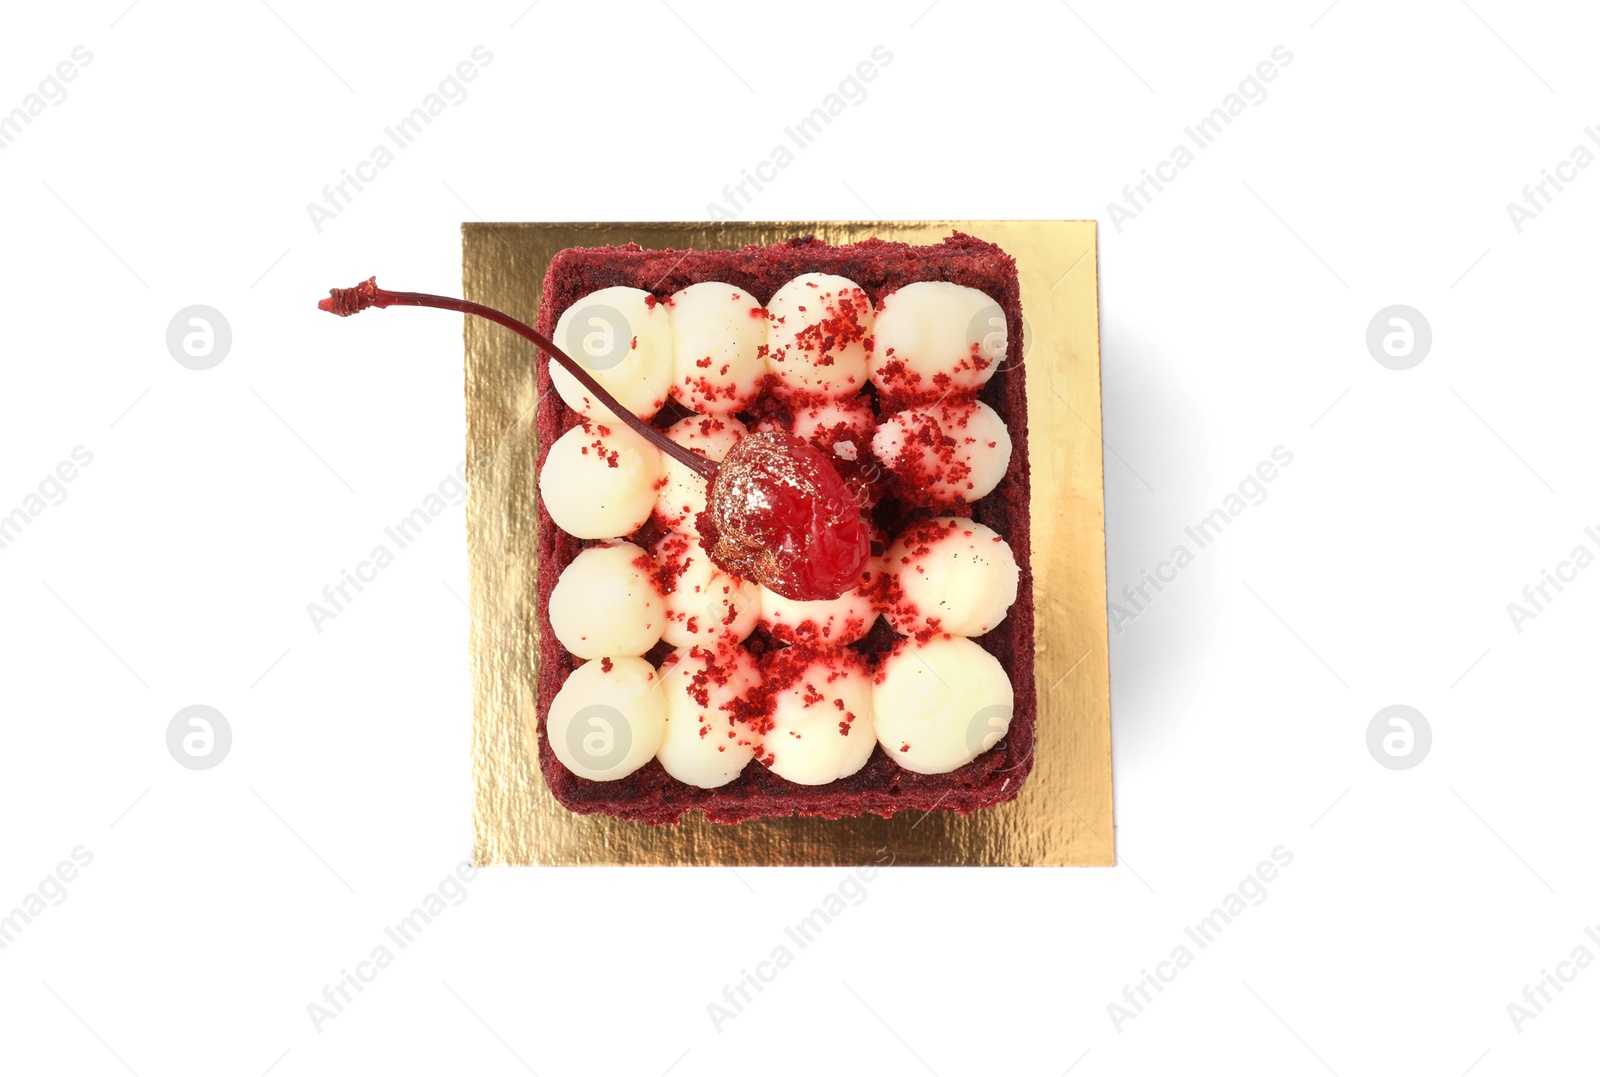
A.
pixel 777 512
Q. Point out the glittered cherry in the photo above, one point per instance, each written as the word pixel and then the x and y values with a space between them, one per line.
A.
pixel 777 512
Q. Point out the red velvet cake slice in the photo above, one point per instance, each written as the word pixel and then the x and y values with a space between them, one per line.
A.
pixel 767 348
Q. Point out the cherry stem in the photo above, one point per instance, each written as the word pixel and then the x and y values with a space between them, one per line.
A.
pixel 347 301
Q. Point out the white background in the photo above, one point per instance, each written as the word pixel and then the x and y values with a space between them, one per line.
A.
pixel 1419 902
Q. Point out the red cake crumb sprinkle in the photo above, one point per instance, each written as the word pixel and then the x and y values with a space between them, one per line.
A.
pixel 708 389
pixel 599 432
pixel 826 437
pixel 886 592
pixel 605 665
pixel 703 363
pixel 650 302
pixel 920 537
pixel 898 380
pixel 671 561
pixel 635 345
pixel 927 458
pixel 768 411
pixel 787 667
pixel 840 326
pixel 882 589
pixel 717 668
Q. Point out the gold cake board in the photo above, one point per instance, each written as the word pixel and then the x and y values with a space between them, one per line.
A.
pixel 1064 813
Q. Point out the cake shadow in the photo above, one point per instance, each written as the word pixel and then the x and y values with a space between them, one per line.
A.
pixel 1151 645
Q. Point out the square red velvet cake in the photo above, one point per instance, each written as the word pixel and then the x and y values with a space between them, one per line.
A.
pixel 881 786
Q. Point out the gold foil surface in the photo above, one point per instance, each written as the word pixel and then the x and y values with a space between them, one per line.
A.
pixel 1064 813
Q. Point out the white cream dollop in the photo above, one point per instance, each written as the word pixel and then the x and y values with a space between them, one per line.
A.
pixel 607 720
pixel 704 745
pixel 719 345
pixel 607 603
pixel 844 426
pixel 822 724
pixel 827 621
pixel 947 452
pixel 684 495
pixel 705 605
pixel 817 332
pixel 623 338
pixel 939 705
pixel 952 575
pixel 931 328
pixel 599 480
